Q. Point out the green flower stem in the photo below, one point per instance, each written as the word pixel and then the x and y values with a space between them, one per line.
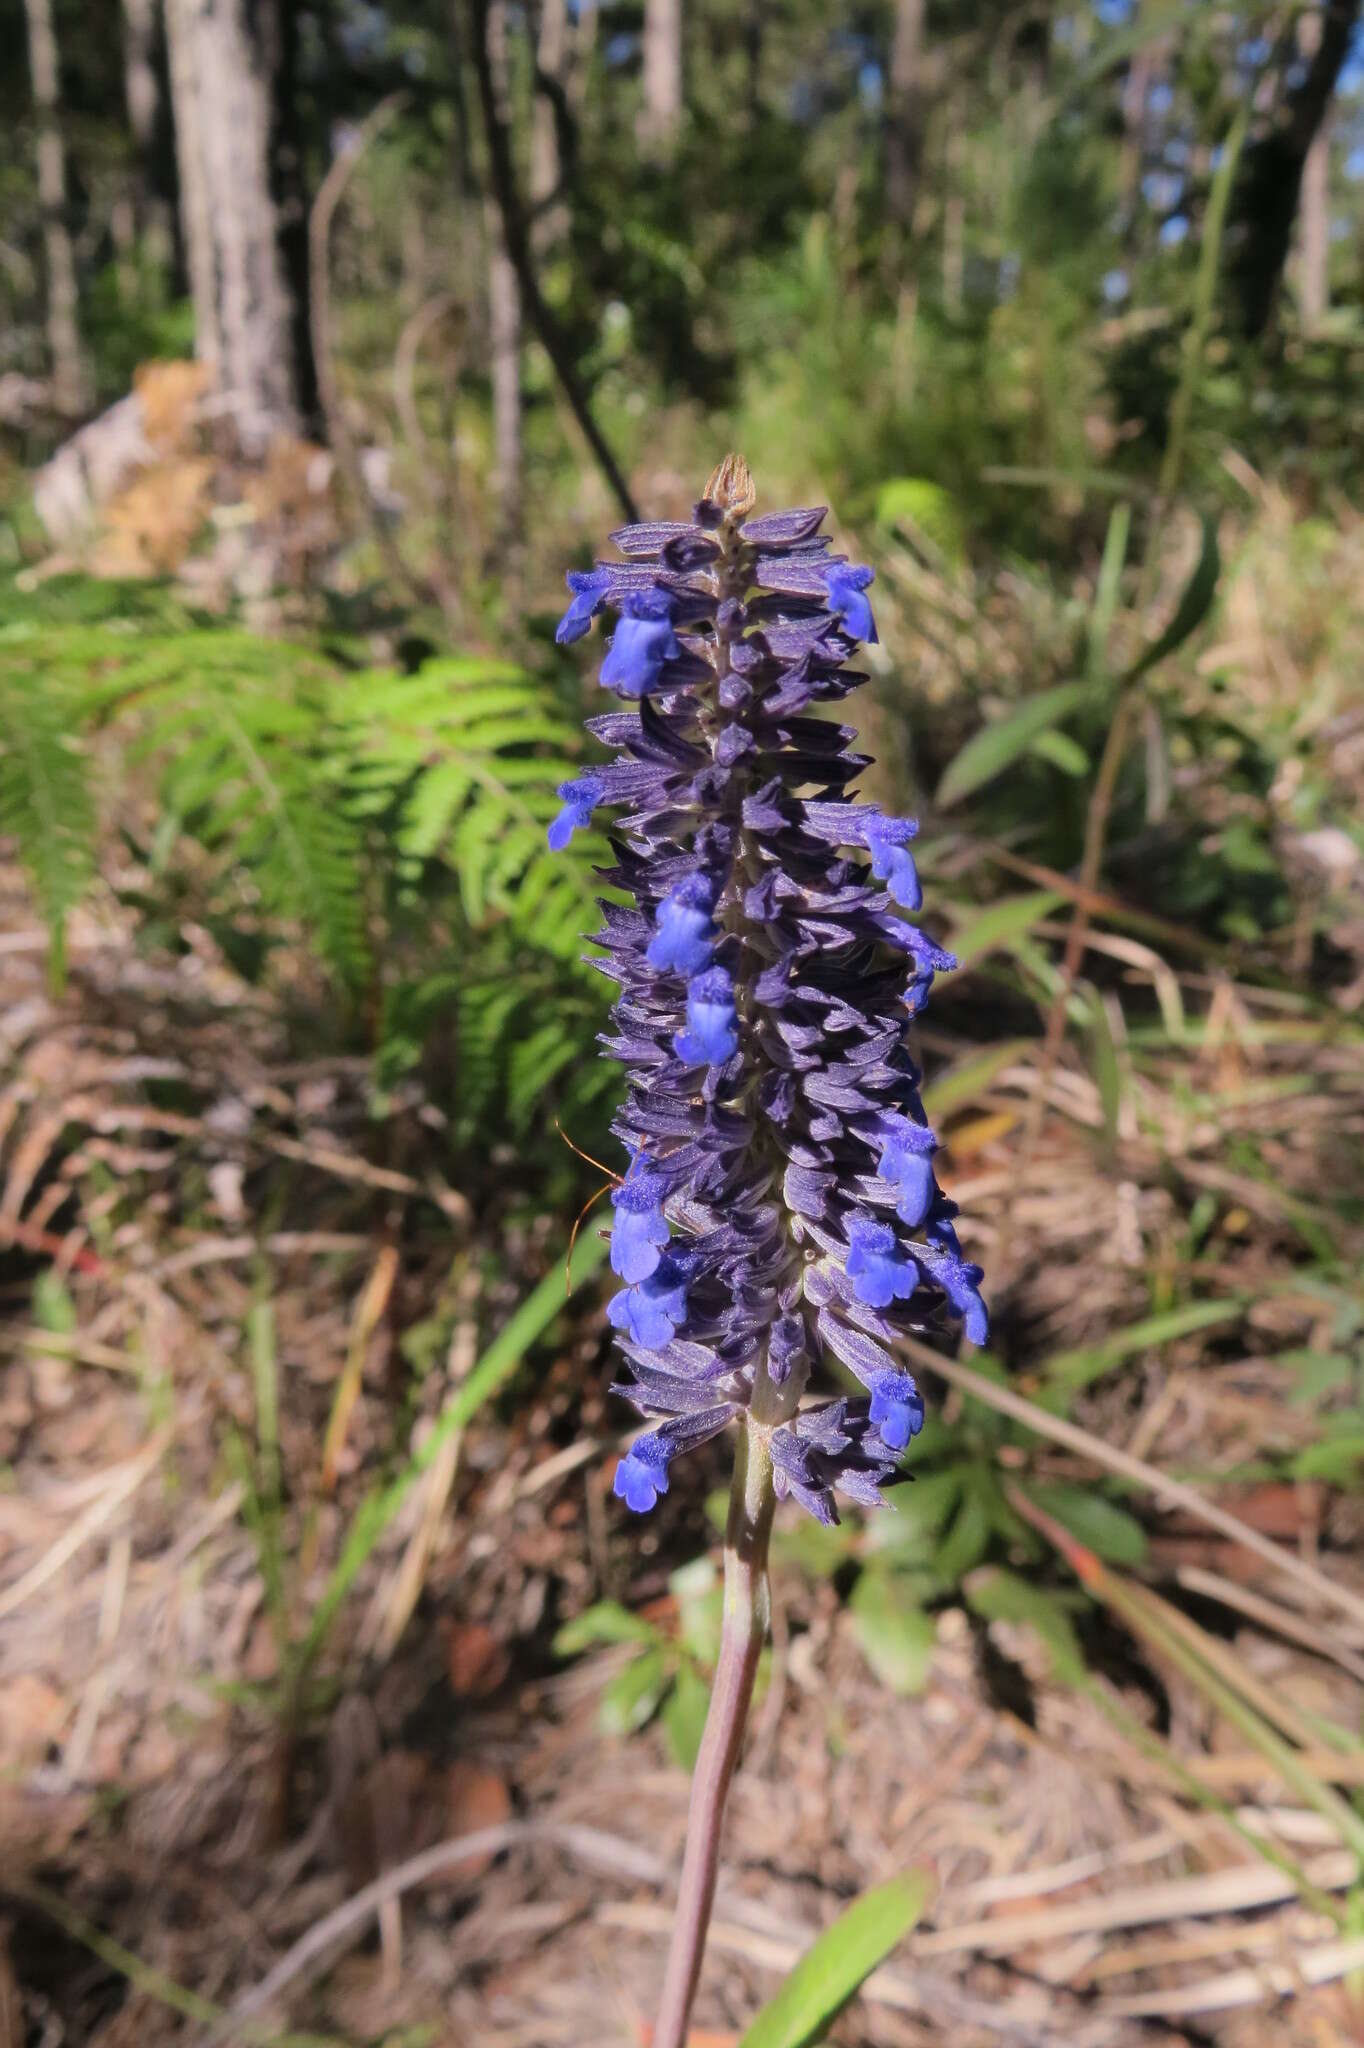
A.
pixel 744 1631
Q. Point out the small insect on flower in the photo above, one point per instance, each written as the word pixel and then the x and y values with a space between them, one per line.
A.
pixel 780 1204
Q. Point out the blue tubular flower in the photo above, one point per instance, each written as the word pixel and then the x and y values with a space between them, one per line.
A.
pixel 651 1311
pixel 907 1163
pixel 712 1034
pixel 959 1280
pixel 891 860
pixel 642 642
pixel 685 937
pixel 580 799
pixel 781 1206
pixel 589 588
pixel 642 1474
pixel 878 1266
pixel 846 586
pixel 640 1228
pixel 897 1408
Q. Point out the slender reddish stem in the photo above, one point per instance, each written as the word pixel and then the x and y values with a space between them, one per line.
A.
pixel 742 1636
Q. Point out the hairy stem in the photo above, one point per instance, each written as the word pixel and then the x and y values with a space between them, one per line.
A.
pixel 744 1631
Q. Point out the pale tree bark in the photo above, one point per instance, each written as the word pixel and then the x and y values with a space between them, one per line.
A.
pixel 146 117
pixel 224 58
pixel 548 212
pixel 1314 229
pixel 1314 203
pixel 905 111
pixel 70 384
pixel 660 116
pixel 140 88
pixel 504 325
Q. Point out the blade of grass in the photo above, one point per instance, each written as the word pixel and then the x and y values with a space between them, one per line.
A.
pixel 1143 1615
pixel 1106 592
pixel 151 1982
pixel 844 1956
pixel 1104 1585
pixel 1148 1477
pixel 1078 1368
pixel 968 1079
pixel 493 1369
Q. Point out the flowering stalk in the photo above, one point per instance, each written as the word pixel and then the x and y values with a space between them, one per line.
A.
pixel 779 1201
pixel 743 1632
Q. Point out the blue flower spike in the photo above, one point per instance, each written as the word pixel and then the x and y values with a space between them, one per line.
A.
pixel 781 1207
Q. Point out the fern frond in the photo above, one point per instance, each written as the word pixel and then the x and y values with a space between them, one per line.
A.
pixel 247 771
pixel 47 804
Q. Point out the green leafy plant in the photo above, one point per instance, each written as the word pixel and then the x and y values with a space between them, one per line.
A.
pixel 273 792
pixel 839 1963
pixel 668 1674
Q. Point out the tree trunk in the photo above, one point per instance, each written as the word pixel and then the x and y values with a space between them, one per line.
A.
pixel 225 64
pixel 1270 185
pixel 661 114
pixel 1314 207
pixel 905 111
pixel 504 328
pixel 140 87
pixel 148 118
pixel 70 386
pixel 551 127
pixel 1314 221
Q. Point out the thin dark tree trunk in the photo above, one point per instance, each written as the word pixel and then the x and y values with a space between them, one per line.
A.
pixel 70 384
pixel 1270 185
pixel 290 191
